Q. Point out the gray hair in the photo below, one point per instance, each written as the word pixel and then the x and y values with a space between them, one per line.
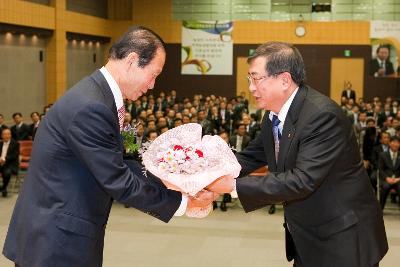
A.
pixel 281 57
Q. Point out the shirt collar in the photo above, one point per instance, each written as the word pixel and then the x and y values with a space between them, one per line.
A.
pixel 116 91
pixel 284 110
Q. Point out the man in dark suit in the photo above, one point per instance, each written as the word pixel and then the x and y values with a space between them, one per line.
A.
pixel 389 170
pixel 348 91
pixel 2 125
pixel 240 140
pixel 315 168
pixel 383 146
pixel 136 109
pixel 35 116
pixel 9 159
pixel 77 167
pixel 19 131
pixel 381 65
pixel 225 116
pixel 204 122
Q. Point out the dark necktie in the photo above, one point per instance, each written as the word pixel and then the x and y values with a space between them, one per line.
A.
pixel 277 134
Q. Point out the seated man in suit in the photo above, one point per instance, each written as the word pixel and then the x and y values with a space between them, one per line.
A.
pixel 35 116
pixel 9 150
pixel 378 149
pixel 204 122
pixel 2 125
pixel 381 65
pixel 20 131
pixel 390 170
pixel 240 140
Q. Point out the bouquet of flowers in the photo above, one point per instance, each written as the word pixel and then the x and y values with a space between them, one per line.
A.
pixel 129 137
pixel 182 158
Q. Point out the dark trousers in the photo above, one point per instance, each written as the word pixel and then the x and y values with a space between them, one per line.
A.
pixel 6 173
pixel 385 190
pixel 297 263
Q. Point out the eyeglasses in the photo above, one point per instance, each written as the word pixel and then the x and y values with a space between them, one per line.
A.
pixel 254 80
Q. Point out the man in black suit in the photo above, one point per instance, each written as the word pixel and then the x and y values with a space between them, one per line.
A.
pixel 315 168
pixel 19 131
pixel 204 122
pixel 136 109
pixel 225 116
pixel 383 146
pixel 77 168
pixel 2 125
pixel 381 65
pixel 348 91
pixel 389 170
pixel 35 124
pixel 9 159
pixel 240 140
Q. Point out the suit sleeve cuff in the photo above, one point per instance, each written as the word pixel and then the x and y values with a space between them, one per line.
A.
pixel 182 208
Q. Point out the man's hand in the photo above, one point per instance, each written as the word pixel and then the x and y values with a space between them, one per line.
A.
pixel 2 162
pixel 224 184
pixel 366 164
pixel 202 199
pixel 390 180
pixel 200 205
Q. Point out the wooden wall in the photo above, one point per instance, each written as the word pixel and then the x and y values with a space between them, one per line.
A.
pixel 317 59
pixel 323 40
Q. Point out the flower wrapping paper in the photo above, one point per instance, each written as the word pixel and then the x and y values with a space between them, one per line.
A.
pixel 219 158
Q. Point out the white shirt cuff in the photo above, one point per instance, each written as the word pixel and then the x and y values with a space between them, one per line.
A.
pixel 182 208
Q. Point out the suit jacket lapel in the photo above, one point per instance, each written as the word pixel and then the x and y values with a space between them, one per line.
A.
pixel 109 100
pixel 106 90
pixel 284 144
pixel 289 128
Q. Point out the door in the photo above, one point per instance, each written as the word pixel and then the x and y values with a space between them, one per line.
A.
pixel 346 70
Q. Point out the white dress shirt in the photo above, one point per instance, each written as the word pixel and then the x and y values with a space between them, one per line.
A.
pixel 4 150
pixel 284 110
pixel 393 156
pixel 119 102
pixel 239 141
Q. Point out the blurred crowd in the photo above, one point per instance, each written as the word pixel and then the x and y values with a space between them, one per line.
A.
pixel 376 126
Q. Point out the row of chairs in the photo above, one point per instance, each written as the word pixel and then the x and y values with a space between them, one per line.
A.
pixel 25 150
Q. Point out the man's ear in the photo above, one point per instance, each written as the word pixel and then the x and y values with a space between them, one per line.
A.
pixel 132 59
pixel 286 80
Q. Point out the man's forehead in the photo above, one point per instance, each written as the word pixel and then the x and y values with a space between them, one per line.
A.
pixel 257 65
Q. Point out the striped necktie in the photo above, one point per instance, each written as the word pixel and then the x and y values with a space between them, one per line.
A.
pixel 121 116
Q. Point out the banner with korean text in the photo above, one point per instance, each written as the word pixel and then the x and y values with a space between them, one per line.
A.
pixel 207 47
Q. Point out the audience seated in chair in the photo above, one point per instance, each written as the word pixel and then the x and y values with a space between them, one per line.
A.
pixel 390 170
pixel 20 131
pixel 9 159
